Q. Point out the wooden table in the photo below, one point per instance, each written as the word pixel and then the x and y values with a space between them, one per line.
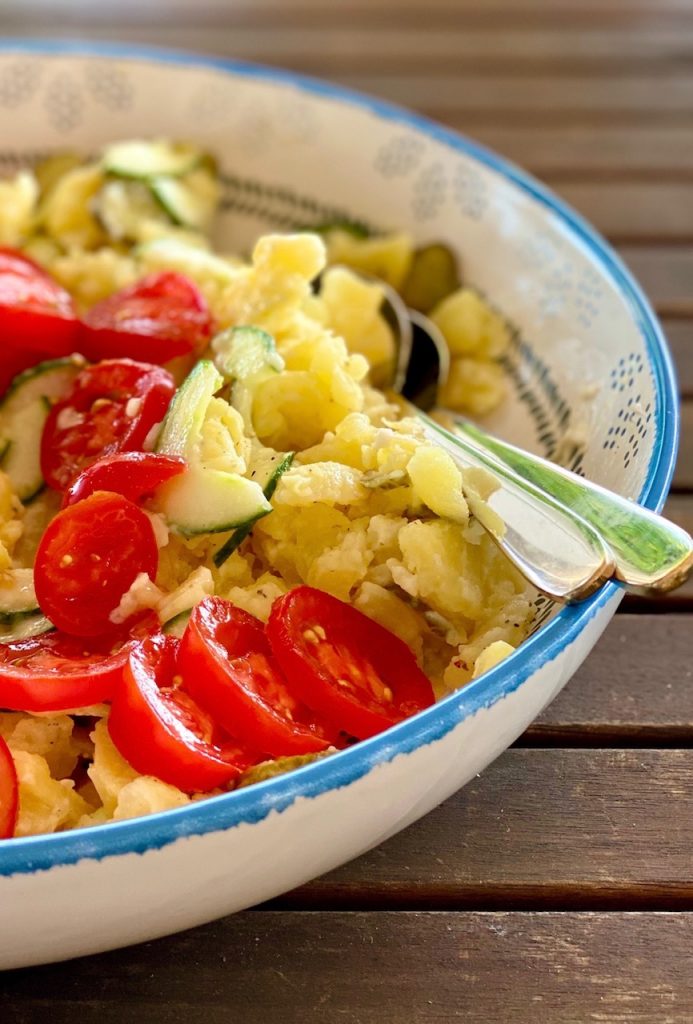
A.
pixel 558 887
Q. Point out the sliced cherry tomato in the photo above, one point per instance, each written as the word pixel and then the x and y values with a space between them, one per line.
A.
pixel 37 316
pixel 228 667
pixel 135 475
pixel 58 672
pixel 88 557
pixel 111 408
pixel 157 319
pixel 13 363
pixel 9 792
pixel 161 731
pixel 347 667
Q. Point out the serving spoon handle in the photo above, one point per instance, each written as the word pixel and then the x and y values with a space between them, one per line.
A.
pixel 651 554
pixel 553 547
pixel 603 534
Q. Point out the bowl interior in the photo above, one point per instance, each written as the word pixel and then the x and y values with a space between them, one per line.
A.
pixel 295 155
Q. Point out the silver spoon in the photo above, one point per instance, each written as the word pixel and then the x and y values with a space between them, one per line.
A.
pixel 587 533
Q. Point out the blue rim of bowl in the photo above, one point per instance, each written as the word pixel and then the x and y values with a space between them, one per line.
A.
pixel 252 805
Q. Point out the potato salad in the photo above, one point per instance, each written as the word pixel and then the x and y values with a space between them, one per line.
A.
pixel 224 550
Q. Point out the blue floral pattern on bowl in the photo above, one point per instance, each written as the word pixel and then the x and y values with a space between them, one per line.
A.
pixel 280 155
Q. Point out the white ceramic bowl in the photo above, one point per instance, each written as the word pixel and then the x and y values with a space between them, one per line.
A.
pixel 299 152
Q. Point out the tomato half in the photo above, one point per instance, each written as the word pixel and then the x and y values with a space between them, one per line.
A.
pixel 157 319
pixel 135 475
pixel 111 408
pixel 161 731
pixel 9 792
pixel 228 667
pixel 37 316
pixel 58 672
pixel 88 557
pixel 347 667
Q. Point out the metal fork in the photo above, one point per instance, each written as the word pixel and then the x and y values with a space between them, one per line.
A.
pixel 565 534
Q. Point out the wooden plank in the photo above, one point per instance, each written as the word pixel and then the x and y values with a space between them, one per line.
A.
pixel 679 508
pixel 509 98
pixel 277 13
pixel 635 10
pixel 389 49
pixel 627 691
pixel 458 47
pixel 599 152
pixel 665 272
pixel 683 477
pixel 550 828
pixel 643 213
pixel 396 968
pixel 680 337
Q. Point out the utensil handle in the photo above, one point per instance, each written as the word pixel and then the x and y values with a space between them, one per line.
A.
pixel 651 554
pixel 556 550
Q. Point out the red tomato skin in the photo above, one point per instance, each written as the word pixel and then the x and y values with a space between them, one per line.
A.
pixel 223 649
pixel 14 363
pixel 89 556
pixel 9 792
pixel 135 475
pixel 93 420
pixel 37 316
pixel 296 646
pixel 157 319
pixel 52 673
pixel 16 262
pixel 150 733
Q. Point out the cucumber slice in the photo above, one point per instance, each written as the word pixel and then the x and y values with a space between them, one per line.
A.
pixel 240 353
pixel 172 254
pixel 247 356
pixel 122 206
pixel 185 204
pixel 434 274
pixel 52 380
pixel 24 626
pixel 17 595
pixel 177 625
pixel 266 468
pixel 23 414
pixel 211 501
pixel 145 160
pixel 355 228
pixel 203 500
pixel 181 428
pixel 21 459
